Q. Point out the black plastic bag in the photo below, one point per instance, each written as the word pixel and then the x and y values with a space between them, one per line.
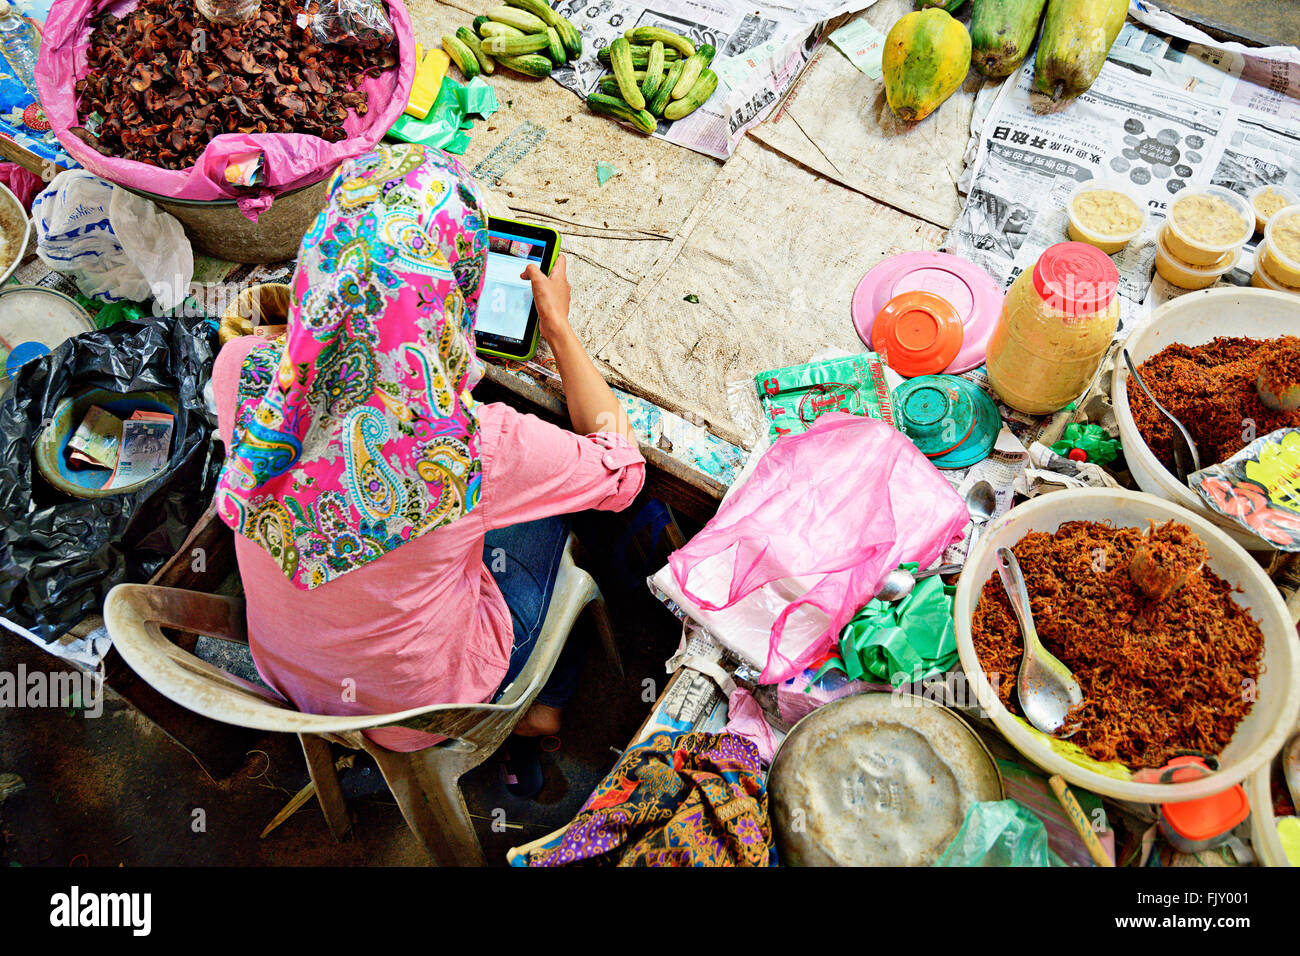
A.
pixel 59 559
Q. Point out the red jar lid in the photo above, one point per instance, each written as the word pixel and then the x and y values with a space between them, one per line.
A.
pixel 1076 278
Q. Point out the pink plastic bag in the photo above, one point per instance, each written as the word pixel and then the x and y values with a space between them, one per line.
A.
pixel 836 507
pixel 290 159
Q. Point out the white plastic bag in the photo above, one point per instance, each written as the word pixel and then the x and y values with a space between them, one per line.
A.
pixel 114 244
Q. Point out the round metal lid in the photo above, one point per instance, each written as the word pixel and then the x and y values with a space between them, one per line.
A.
pixel 33 322
pixel 876 779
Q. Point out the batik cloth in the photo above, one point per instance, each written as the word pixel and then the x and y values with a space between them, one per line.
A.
pixel 673 800
pixel 358 433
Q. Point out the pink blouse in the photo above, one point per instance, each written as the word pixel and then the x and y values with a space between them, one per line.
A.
pixel 426 623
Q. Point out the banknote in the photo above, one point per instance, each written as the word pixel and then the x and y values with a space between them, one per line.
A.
pixel 96 440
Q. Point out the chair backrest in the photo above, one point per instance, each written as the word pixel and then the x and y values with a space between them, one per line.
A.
pixel 135 615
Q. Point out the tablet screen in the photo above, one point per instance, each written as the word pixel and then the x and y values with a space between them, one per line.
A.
pixel 506 302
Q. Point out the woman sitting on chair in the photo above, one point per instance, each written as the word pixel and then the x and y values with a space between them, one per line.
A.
pixel 397 540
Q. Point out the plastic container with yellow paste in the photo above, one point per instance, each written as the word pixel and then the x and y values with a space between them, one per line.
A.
pixel 1104 215
pixel 1184 274
pixel 1206 223
pixel 1269 199
pixel 1057 322
pixel 1261 279
pixel 1282 246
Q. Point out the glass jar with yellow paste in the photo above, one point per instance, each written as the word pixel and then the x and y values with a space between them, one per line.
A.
pixel 1057 322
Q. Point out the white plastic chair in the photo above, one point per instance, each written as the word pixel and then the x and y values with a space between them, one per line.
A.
pixel 426 783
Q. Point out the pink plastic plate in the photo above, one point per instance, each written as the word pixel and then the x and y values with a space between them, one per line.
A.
pixel 970 290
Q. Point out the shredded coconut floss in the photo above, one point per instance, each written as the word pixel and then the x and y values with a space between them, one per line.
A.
pixel 1158 676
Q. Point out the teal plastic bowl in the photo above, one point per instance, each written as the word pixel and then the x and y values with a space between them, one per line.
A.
pixel 51 447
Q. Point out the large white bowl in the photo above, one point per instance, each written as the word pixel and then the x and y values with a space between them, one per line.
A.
pixel 9 202
pixel 1194 319
pixel 1258 737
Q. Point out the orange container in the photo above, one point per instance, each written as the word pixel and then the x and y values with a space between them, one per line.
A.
pixel 917 333
pixel 1195 825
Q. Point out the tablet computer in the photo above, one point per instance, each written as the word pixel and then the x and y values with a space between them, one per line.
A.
pixel 506 324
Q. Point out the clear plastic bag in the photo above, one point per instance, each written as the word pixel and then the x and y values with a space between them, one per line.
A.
pixel 115 245
pixel 360 22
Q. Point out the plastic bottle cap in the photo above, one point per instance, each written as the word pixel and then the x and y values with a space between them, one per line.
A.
pixel 1076 278
pixel 917 333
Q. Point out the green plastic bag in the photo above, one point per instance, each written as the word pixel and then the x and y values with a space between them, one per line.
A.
pixel 900 642
pixel 448 124
pixel 1094 440
pixel 1000 833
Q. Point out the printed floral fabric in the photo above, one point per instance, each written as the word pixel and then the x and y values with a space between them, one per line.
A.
pixel 673 800
pixel 357 433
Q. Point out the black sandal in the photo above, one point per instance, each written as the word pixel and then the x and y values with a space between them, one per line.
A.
pixel 521 766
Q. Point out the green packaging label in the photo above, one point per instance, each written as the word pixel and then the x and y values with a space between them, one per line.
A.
pixel 795 397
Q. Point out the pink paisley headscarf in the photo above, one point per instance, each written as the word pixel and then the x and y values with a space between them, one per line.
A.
pixel 358 434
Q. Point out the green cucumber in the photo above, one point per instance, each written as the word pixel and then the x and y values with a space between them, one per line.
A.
pixel 640 56
pixel 494 29
pixel 639 120
pixel 529 64
pixel 466 36
pixel 462 56
pixel 620 58
pixel 517 18
pixel 697 97
pixel 516 46
pixel 555 48
pixel 694 67
pixel 569 35
pixel 648 35
pixel 662 95
pixel 654 70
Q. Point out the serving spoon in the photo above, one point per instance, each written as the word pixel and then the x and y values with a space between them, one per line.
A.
pixel 1186 457
pixel 899 582
pixel 981 502
pixel 1046 688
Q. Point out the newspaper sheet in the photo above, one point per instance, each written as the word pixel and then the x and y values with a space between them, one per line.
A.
pixel 1163 113
pixel 761 49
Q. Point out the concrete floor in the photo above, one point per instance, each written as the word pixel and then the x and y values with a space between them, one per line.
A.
pixel 114 790
pixel 1268 22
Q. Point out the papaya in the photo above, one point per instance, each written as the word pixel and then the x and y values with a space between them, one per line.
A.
pixel 1077 36
pixel 1002 34
pixel 926 57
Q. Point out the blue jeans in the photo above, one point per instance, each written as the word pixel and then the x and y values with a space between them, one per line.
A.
pixel 524 560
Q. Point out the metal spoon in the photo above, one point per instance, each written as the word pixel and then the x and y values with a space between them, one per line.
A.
pixel 981 502
pixel 1186 459
pixel 899 582
pixel 1046 688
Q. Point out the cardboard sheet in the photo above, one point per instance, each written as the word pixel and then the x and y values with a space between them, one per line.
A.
pixel 774 253
pixel 835 120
